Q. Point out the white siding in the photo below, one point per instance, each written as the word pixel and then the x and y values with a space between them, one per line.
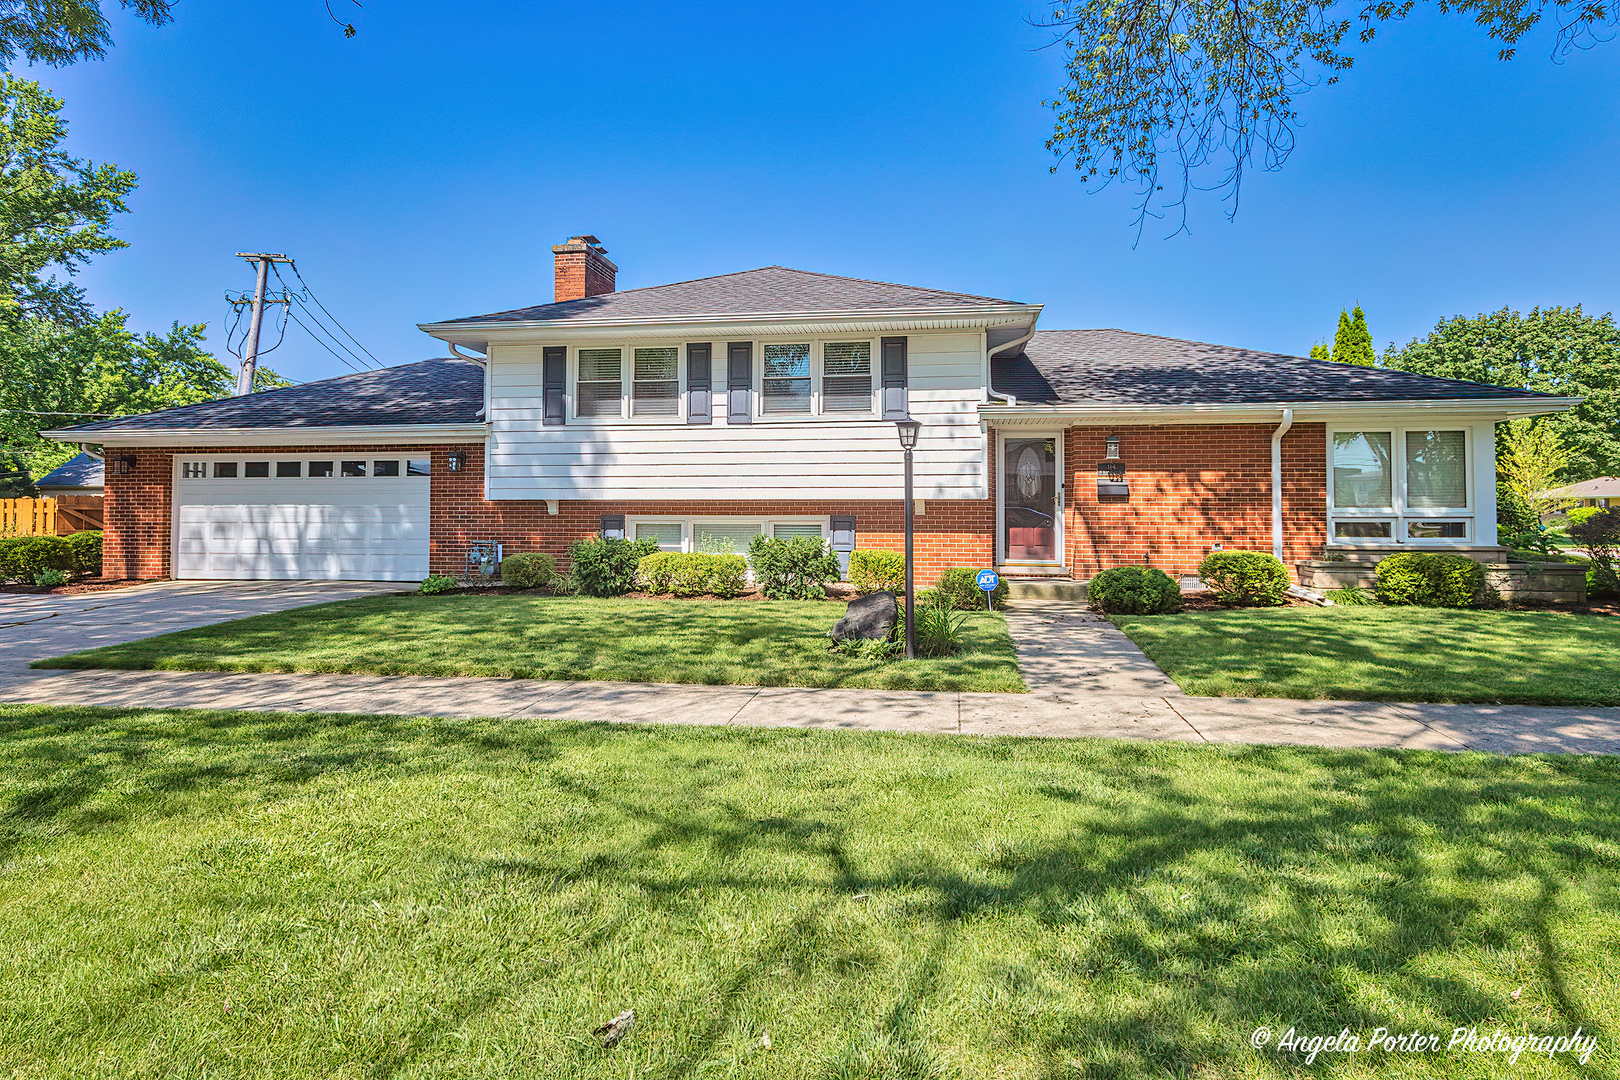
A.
pixel 821 457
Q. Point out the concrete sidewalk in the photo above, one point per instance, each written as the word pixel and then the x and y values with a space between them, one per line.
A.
pixel 1087 680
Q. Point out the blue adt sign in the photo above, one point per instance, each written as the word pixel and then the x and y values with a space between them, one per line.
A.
pixel 988 580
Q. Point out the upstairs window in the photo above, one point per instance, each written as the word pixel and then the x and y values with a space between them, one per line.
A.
pixel 787 379
pixel 846 376
pixel 601 382
pixel 657 384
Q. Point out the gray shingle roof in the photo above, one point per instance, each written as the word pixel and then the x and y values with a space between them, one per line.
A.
pixel 1117 367
pixel 78 471
pixel 772 290
pixel 429 392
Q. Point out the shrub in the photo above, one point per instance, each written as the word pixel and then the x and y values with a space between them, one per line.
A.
pixel 939 630
pixel 1535 541
pixel 875 570
pixel 1134 590
pixel 869 648
pixel 435 584
pixel 21 557
pixel 606 566
pixel 695 574
pixel 528 570
pixel 960 587
pixel 1514 515
pixel 1581 513
pixel 51 578
pixel 1245 578
pixel 1430 579
pixel 86 548
pixel 931 598
pixel 1599 535
pixel 793 569
pixel 1349 596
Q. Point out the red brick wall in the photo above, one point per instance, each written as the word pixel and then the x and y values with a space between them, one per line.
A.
pixel 1192 487
pixel 581 273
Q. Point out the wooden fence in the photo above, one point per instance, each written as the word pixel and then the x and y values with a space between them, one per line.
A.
pixel 49 517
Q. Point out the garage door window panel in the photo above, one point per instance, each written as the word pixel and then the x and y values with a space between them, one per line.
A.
pixel 285 469
pixel 224 470
pixel 319 469
pixel 354 468
pixel 385 468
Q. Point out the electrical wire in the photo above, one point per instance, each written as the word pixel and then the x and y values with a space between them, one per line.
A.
pixel 324 345
pixel 329 315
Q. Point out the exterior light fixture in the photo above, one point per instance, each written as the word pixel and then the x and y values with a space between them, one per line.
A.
pixel 908 429
pixel 1111 446
pixel 456 460
pixel 122 465
pixel 908 433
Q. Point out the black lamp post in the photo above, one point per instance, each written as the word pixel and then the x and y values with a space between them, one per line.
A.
pixel 908 442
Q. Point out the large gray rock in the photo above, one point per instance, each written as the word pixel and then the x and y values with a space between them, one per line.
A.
pixel 867 617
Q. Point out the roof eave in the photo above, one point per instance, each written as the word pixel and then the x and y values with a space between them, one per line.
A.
pixel 276 436
pixel 1255 412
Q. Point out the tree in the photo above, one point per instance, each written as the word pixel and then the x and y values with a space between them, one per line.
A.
pixel 62 32
pixel 1352 342
pixel 1211 84
pixel 1530 461
pixel 54 209
pixel 1556 351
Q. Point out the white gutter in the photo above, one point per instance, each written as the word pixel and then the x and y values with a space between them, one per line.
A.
pixel 1260 412
pixel 406 434
pixel 989 356
pixel 1276 482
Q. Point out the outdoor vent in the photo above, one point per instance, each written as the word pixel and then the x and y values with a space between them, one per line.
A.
pixel 456 460
pixel 1111 479
pixel 122 465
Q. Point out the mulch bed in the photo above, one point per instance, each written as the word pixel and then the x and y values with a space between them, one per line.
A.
pixel 83 585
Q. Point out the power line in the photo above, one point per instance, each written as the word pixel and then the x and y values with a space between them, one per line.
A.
pixel 329 315
pixel 324 345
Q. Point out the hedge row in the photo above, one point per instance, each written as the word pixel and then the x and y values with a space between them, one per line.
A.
pixel 24 557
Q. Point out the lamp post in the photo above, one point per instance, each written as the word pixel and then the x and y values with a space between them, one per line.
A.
pixel 908 442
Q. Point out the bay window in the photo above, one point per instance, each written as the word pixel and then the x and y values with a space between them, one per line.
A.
pixel 1395 485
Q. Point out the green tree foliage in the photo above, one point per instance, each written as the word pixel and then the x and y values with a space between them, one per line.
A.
pixel 62 32
pixel 1531 456
pixel 1352 341
pixel 1554 350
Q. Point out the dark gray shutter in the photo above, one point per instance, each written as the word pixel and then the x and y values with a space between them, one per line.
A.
pixel 554 380
pixel 739 382
pixel 613 526
pixel 843 541
pixel 699 373
pixel 895 405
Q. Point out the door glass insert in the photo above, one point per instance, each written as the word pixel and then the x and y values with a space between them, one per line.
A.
pixel 1029 499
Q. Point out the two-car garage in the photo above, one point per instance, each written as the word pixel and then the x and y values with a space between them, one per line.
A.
pixel 348 515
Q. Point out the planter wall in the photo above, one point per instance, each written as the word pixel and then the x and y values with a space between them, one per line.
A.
pixel 1549 583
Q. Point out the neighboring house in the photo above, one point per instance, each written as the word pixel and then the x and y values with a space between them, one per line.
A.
pixel 80 474
pixel 702 413
pixel 1599 491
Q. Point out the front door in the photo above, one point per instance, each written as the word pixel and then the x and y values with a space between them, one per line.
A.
pixel 1031 510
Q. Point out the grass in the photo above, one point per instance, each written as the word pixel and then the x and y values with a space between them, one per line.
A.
pixel 1387 654
pixel 750 643
pixel 236 895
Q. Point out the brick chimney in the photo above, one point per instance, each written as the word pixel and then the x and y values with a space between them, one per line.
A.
pixel 583 269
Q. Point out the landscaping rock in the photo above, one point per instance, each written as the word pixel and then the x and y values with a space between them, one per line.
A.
pixel 868 618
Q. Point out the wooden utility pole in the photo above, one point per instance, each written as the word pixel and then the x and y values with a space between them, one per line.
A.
pixel 250 354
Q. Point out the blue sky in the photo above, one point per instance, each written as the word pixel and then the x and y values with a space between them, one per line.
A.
pixel 423 169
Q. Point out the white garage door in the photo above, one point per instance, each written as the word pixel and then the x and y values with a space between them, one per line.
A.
pixel 358 517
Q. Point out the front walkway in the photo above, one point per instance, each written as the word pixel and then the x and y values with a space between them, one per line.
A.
pixel 1086 679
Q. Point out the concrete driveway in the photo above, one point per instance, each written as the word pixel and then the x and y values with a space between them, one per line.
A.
pixel 36 627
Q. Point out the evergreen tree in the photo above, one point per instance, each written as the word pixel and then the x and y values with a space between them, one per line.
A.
pixel 1320 351
pixel 1353 342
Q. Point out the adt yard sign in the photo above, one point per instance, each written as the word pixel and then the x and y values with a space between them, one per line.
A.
pixel 988 580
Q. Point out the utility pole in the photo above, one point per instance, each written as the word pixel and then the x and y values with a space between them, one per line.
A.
pixel 250 355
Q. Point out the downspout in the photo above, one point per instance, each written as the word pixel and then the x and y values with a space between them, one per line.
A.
pixel 1276 482
pixel 482 361
pixel 1015 343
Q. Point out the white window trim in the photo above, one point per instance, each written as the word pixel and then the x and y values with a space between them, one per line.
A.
pixel 687 524
pixel 337 460
pixel 817 411
pixel 1400 515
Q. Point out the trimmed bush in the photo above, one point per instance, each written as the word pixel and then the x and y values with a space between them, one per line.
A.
pixel 798 568
pixel 434 584
pixel 1134 590
pixel 1514 514
pixel 603 566
pixel 1245 578
pixel 51 578
pixel 960 587
pixel 1431 579
pixel 22 557
pixel 86 548
pixel 1599 534
pixel 528 570
pixel 876 570
pixel 667 573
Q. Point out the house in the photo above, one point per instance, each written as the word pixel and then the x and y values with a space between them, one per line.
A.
pixel 701 413
pixel 1599 491
pixel 80 474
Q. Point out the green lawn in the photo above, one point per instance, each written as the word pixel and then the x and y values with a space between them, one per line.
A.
pixel 233 895
pixel 1387 654
pixel 751 643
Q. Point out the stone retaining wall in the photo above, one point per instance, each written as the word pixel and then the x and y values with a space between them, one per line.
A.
pixel 1551 583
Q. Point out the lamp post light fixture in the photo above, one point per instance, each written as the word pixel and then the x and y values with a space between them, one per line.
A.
pixel 908 429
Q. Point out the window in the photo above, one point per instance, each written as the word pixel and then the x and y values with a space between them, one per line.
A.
pixel 1400 486
pixel 255 468
pixel 601 382
pixel 846 376
pixel 1361 530
pixel 224 470
pixel 789 532
pixel 418 467
pixel 670 535
pixel 1437 530
pixel 723 537
pixel 354 468
pixel 320 468
pixel 1362 475
pixel 193 470
pixel 385 468
pixel 656 391
pixel 787 379
pixel 289 468
pixel 1436 470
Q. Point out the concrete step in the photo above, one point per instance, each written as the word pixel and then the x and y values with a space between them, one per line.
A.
pixel 1048 589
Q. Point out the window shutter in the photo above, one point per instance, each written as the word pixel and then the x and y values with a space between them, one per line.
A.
pixel 843 541
pixel 613 526
pixel 895 405
pixel 699 372
pixel 739 382
pixel 554 379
